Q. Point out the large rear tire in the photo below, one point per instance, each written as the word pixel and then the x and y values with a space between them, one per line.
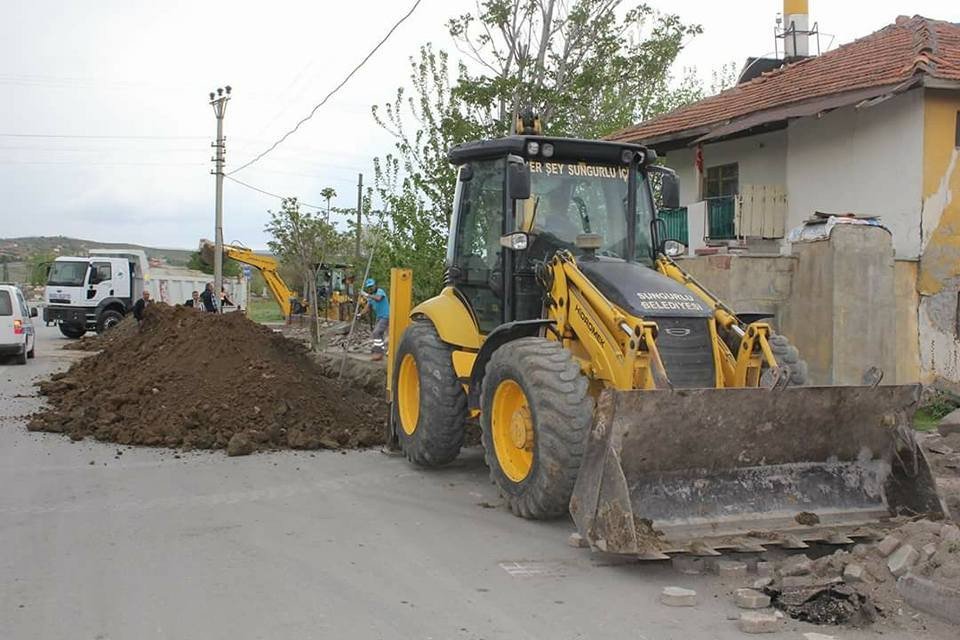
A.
pixel 786 355
pixel 535 413
pixel 429 404
pixel 71 330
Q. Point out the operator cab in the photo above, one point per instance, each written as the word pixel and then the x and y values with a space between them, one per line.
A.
pixel 537 195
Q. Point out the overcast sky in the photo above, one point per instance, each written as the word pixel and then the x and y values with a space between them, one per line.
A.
pixel 121 87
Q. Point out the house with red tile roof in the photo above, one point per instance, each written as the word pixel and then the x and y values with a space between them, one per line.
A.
pixel 870 128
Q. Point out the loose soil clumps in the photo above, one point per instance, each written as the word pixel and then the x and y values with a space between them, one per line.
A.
pixel 206 381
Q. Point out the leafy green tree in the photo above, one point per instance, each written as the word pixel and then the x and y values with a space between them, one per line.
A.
pixel 304 241
pixel 328 194
pixel 38 266
pixel 231 268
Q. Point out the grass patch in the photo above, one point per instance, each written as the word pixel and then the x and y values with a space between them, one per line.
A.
pixel 264 310
pixel 925 420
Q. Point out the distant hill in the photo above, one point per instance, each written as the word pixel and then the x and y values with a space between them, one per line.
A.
pixel 20 249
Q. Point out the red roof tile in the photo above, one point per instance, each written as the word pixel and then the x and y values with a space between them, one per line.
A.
pixel 891 56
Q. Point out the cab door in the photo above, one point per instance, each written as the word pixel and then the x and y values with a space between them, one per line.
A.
pixel 99 282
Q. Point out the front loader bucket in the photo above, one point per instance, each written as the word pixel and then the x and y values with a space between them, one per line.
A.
pixel 704 469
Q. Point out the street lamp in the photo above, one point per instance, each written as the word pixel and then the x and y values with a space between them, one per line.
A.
pixel 218 100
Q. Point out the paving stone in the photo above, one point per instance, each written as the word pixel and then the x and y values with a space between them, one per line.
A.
pixel 762 583
pixel 902 559
pixel 731 569
pixel 799 565
pixel 576 540
pixel 888 545
pixel 927 551
pixel 678 597
pixel 689 565
pixel 853 573
pixel 950 533
pixel 759 622
pixel 751 599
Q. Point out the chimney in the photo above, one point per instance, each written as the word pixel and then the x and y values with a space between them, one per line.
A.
pixel 796 24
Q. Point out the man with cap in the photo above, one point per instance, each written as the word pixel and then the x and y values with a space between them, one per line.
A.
pixel 380 307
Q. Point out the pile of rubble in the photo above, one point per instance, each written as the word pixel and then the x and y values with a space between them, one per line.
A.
pixel 913 568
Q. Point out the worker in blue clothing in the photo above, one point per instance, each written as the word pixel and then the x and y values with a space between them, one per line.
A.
pixel 379 306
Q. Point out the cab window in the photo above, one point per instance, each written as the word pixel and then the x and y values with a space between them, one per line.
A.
pixel 477 253
pixel 100 272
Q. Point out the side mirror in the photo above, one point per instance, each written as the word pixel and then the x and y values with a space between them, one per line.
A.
pixel 33 312
pixel 670 190
pixel 518 179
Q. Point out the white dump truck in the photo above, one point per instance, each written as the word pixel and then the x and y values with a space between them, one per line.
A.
pixel 95 292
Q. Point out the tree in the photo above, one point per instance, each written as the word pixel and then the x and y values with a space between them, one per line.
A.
pixel 38 266
pixel 328 194
pixel 302 240
pixel 584 69
pixel 231 268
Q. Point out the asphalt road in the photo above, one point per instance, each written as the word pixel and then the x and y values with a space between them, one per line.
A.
pixel 110 543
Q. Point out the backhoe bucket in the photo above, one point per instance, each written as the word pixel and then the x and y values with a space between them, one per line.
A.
pixel 705 469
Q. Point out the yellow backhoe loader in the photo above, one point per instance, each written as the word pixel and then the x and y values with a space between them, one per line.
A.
pixel 610 384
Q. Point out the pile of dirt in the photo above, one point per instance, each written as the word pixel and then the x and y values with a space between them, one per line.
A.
pixel 99 341
pixel 206 381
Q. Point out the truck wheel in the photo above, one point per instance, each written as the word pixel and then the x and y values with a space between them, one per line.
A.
pixel 429 404
pixel 788 355
pixel 72 330
pixel 535 415
pixel 108 320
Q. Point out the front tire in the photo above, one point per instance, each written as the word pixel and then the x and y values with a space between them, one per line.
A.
pixel 108 320
pixel 786 355
pixel 429 404
pixel 73 331
pixel 535 414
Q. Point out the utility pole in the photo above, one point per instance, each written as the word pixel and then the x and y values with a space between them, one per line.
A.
pixel 219 101
pixel 359 215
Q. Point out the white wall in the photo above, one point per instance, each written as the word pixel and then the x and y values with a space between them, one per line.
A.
pixel 762 159
pixel 866 161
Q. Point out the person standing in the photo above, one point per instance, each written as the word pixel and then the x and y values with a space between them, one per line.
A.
pixel 209 299
pixel 194 302
pixel 140 306
pixel 380 307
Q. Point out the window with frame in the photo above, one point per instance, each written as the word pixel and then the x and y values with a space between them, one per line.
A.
pixel 721 180
pixel 100 272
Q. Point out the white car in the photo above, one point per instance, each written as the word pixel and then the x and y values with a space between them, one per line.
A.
pixel 17 336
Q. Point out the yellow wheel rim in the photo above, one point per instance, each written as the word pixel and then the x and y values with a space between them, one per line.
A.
pixel 511 424
pixel 408 394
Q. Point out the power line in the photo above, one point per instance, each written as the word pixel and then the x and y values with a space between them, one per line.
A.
pixel 61 135
pixel 273 195
pixel 335 89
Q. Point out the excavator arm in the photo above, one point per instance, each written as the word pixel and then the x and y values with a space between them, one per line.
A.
pixel 268 267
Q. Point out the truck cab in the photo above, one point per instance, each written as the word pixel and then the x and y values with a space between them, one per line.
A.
pixel 92 293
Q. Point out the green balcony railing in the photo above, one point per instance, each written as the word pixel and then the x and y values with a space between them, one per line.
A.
pixel 676 223
pixel 720 218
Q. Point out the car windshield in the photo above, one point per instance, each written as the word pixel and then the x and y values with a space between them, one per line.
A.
pixel 67 274
pixel 6 304
pixel 570 199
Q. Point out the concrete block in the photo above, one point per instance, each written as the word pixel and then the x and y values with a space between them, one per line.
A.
pixel 799 565
pixel 576 540
pixel 762 583
pixel 731 569
pixel 930 597
pixel 949 533
pixel 764 568
pixel 927 551
pixel 759 622
pixel 853 573
pixel 689 565
pixel 902 560
pixel 949 423
pixel 678 597
pixel 751 599
pixel 888 545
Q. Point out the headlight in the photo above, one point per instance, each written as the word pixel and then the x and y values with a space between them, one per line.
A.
pixel 547 150
pixel 533 148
